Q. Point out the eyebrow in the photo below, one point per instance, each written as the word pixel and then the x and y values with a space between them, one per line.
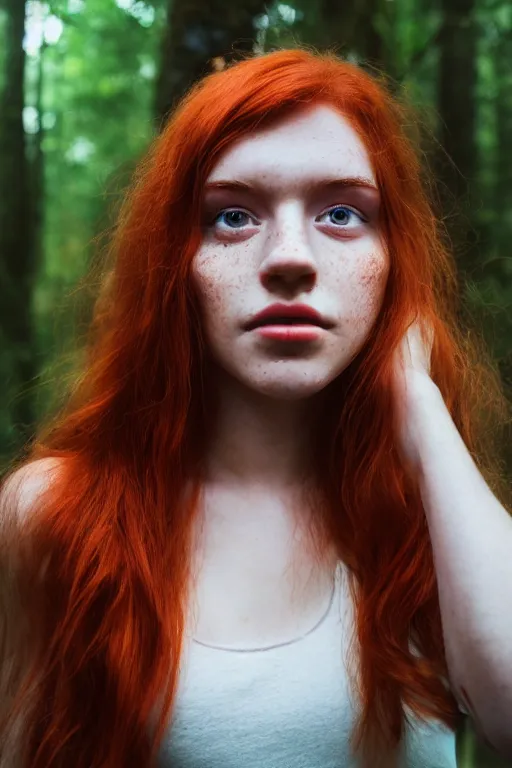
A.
pixel 346 182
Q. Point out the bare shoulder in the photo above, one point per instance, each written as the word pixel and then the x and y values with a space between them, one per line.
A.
pixel 20 491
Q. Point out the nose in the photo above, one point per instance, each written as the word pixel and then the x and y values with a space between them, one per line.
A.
pixel 289 266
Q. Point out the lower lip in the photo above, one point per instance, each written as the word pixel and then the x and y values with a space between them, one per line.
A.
pixel 290 332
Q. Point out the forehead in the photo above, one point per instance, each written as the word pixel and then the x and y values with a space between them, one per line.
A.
pixel 302 146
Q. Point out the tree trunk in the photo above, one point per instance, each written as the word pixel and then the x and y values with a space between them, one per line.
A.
pixel 457 126
pixel 355 29
pixel 503 185
pixel 502 203
pixel 196 33
pixel 36 171
pixel 16 231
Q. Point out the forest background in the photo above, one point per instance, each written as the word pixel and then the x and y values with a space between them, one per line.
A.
pixel 86 84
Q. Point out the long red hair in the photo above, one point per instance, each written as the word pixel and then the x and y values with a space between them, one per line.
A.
pixel 102 562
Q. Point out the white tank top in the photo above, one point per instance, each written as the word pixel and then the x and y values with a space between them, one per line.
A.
pixel 281 706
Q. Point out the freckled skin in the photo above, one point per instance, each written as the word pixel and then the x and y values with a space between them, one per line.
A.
pixel 289 249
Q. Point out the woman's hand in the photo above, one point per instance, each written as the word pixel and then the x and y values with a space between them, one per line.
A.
pixel 411 385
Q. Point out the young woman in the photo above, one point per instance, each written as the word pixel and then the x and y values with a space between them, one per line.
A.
pixel 256 534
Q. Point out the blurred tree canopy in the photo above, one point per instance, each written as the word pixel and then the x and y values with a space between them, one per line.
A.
pixel 86 84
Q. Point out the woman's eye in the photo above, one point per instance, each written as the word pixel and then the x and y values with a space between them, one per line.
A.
pixel 340 215
pixel 233 219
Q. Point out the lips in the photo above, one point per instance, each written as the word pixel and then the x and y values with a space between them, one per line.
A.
pixel 288 314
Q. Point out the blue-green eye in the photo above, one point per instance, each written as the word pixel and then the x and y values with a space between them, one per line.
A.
pixel 345 210
pixel 235 220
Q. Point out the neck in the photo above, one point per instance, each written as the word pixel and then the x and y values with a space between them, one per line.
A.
pixel 258 468
pixel 258 441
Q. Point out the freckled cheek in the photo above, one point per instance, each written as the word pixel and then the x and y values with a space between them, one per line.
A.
pixel 219 282
pixel 370 280
pixel 360 286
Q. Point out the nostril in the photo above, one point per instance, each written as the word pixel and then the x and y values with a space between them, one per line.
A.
pixel 286 280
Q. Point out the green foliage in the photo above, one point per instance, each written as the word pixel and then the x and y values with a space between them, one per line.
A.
pixel 3 19
pixel 98 90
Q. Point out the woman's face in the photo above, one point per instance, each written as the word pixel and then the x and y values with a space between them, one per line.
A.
pixel 280 227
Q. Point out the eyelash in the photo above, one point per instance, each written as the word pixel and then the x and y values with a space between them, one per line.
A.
pixel 240 210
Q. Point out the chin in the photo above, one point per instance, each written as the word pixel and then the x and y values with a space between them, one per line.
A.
pixel 300 380
pixel 290 388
